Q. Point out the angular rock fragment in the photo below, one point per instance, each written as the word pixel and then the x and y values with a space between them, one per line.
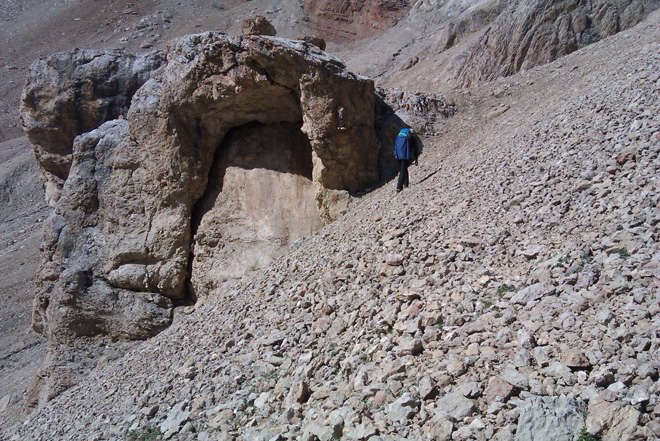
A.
pixel 550 419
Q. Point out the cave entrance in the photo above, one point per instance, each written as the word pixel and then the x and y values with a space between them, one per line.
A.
pixel 259 199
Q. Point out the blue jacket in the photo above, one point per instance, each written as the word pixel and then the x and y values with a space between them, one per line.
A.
pixel 404 146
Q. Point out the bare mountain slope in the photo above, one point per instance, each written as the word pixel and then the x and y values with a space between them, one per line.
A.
pixel 439 46
pixel 522 265
pixel 23 209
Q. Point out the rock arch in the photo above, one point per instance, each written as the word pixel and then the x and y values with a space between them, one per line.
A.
pixel 280 119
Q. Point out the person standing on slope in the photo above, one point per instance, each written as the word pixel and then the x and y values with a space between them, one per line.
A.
pixel 405 150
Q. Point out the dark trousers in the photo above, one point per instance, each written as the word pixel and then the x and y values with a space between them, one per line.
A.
pixel 403 174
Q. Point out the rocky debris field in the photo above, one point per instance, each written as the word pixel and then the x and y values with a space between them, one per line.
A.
pixel 23 210
pixel 512 290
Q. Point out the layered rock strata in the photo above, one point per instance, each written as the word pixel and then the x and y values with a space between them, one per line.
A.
pixel 235 147
pixel 529 33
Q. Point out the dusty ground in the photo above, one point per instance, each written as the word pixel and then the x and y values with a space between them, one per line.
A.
pixel 23 209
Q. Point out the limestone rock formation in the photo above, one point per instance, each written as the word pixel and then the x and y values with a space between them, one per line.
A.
pixel 233 149
pixel 260 197
pixel 529 33
pixel 74 92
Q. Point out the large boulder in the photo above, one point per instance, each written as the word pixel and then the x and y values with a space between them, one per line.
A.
pixel 550 419
pixel 232 149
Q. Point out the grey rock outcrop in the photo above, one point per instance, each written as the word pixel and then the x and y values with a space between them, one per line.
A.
pixel 550 419
pixel 74 92
pixel 529 33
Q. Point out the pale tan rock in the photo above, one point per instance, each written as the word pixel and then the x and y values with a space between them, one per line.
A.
pixel 612 421
pixel 285 129
pixel 257 25
pixel 575 358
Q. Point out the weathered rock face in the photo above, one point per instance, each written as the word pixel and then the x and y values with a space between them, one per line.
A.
pixel 71 93
pixel 232 149
pixel 529 33
pixel 354 19
pixel 260 197
pixel 93 280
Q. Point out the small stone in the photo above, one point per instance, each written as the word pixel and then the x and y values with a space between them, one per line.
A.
pixel 361 432
pixel 150 411
pixel 533 251
pixel 299 393
pixel 456 368
pixel 427 389
pixel 628 155
pixel 498 390
pixel 394 259
pixel 575 359
pixel 404 408
pixel 515 378
pixel 605 316
pixel 647 370
pixel 439 429
pixel 604 376
pixel 409 346
pixel 455 406
pixel 533 292
pixel 640 396
pixel 380 398
pixel 470 389
pixel 177 417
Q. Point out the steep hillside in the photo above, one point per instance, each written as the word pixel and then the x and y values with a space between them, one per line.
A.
pixel 439 46
pixel 513 286
pixel 23 210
